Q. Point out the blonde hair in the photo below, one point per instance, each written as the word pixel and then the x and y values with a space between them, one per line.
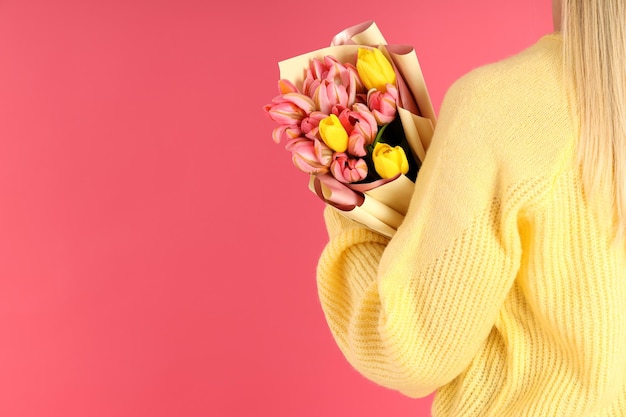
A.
pixel 594 47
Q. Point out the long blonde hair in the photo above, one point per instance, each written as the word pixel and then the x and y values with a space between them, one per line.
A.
pixel 594 41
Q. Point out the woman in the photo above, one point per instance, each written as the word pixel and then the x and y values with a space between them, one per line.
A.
pixel 504 290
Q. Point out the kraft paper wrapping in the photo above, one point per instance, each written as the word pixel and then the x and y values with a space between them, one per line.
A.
pixel 382 207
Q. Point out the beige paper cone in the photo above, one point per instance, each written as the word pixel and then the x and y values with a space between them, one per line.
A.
pixel 384 207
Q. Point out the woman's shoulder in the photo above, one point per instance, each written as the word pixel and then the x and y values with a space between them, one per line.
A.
pixel 523 91
pixel 534 71
pixel 517 110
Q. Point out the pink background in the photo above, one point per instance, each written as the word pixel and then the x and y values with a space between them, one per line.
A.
pixel 157 249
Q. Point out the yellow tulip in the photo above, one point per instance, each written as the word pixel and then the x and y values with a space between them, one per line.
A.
pixel 374 69
pixel 388 161
pixel 333 133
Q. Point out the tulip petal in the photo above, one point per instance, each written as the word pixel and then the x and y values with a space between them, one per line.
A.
pixel 300 100
pixel 285 113
pixel 307 166
pixel 318 68
pixel 309 125
pixel 292 144
pixel 336 194
pixel 286 86
pixel 321 98
pixel 337 94
pixel 322 152
pixel 285 132
pixel 356 144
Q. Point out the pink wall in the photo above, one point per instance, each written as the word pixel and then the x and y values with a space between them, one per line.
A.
pixel 157 249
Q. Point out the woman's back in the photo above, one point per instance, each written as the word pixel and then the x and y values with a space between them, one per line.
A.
pixel 502 289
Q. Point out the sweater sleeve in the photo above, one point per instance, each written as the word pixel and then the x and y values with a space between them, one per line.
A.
pixel 410 313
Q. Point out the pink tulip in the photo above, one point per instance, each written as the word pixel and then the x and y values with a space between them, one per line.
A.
pixel 316 72
pixel 292 144
pixel 346 169
pixel 341 73
pixel 341 82
pixel 285 132
pixel 356 91
pixel 346 75
pixel 318 68
pixel 309 156
pixel 310 83
pixel 383 105
pixel 329 94
pixel 359 114
pixel 337 72
pixel 361 127
pixel 309 125
pixel 365 121
pixel 290 108
pixel 323 153
pixel 357 144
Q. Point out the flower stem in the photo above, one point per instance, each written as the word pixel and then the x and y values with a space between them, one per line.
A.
pixel 379 135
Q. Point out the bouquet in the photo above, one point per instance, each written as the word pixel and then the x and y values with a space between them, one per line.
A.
pixel 357 118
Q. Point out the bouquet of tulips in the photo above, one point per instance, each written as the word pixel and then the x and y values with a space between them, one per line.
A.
pixel 357 117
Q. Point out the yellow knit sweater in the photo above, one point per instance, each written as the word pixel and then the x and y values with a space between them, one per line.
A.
pixel 501 290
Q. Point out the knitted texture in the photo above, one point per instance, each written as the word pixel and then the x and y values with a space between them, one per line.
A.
pixel 502 290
